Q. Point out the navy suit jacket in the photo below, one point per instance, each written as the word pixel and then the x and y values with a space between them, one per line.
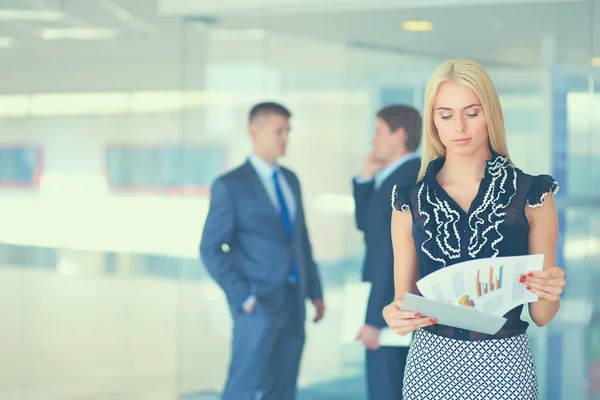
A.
pixel 244 245
pixel 373 213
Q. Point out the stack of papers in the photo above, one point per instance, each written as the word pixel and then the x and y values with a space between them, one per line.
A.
pixel 475 294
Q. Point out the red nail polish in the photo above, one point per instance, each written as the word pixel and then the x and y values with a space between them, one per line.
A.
pixel 418 315
pixel 530 274
pixel 433 321
pixel 522 279
pixel 528 287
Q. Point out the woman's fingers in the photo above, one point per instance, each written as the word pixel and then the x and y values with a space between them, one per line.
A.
pixel 404 326
pixel 403 322
pixel 542 294
pixel 547 281
pixel 546 288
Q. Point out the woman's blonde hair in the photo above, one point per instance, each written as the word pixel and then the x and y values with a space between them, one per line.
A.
pixel 473 75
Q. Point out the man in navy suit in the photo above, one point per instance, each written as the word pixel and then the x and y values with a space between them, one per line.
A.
pixel 256 247
pixel 392 161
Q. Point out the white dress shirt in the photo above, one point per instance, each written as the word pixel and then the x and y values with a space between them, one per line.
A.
pixel 265 173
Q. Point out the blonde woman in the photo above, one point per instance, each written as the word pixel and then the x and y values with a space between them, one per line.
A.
pixel 470 202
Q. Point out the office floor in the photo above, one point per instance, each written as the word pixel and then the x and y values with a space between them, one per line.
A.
pixel 343 389
pixel 85 337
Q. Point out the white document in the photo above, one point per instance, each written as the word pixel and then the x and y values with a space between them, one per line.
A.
pixel 356 296
pixel 453 315
pixel 490 285
pixel 475 294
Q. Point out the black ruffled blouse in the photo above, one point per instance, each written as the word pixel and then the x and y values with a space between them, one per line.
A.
pixel 495 225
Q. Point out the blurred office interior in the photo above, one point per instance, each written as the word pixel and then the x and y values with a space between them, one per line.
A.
pixel 116 115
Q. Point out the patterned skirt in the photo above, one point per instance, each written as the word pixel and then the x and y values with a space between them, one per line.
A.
pixel 442 368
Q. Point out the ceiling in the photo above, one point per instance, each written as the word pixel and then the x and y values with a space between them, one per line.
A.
pixel 509 34
pixel 129 17
pixel 96 29
pixel 498 34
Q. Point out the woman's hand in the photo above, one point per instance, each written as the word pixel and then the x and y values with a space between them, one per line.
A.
pixel 547 284
pixel 404 322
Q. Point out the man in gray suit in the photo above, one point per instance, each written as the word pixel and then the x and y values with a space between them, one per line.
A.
pixel 256 246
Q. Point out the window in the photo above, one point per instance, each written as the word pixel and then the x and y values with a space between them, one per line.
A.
pixel 20 166
pixel 163 168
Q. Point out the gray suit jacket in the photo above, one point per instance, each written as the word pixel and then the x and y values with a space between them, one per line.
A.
pixel 244 245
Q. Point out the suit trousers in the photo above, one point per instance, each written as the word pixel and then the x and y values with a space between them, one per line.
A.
pixel 266 351
pixel 385 372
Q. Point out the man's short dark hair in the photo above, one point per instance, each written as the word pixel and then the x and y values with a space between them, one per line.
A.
pixel 267 108
pixel 401 116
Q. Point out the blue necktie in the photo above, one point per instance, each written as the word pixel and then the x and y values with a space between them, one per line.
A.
pixel 287 222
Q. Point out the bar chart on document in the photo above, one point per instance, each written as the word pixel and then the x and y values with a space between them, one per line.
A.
pixel 488 281
pixel 490 285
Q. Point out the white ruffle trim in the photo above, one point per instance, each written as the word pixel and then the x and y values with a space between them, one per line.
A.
pixel 554 189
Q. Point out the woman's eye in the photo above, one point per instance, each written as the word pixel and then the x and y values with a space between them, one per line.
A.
pixel 445 116
pixel 472 115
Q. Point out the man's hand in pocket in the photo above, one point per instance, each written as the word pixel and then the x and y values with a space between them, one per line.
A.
pixel 249 305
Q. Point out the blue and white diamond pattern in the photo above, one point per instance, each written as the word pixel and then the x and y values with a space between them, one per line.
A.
pixel 441 368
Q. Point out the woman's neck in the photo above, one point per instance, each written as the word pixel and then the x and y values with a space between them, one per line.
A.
pixel 464 169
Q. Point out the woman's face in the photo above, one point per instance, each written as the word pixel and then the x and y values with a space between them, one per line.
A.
pixel 459 119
